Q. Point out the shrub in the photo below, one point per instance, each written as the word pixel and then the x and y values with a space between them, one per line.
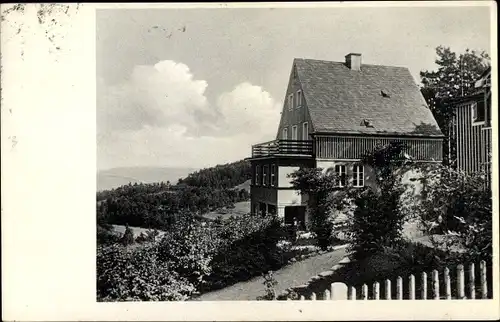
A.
pixel 248 247
pixel 128 237
pixel 188 248
pixel 458 205
pixel 137 275
pixel 106 236
pixel 319 186
pixel 270 284
pixel 376 222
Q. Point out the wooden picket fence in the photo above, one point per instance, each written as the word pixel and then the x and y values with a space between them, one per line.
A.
pixel 440 289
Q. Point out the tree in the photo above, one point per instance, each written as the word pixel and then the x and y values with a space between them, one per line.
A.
pixel 319 186
pixel 377 219
pixel 128 236
pixel 453 78
pixel 457 206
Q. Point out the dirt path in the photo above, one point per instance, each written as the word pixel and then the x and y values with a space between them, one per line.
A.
pixel 292 275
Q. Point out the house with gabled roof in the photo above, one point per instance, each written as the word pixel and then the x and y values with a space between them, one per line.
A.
pixel 333 113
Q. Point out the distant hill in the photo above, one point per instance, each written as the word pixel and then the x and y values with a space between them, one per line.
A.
pixel 222 176
pixel 116 177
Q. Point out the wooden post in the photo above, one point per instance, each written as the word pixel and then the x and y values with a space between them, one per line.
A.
pixel 484 285
pixel 313 296
pixel 472 282
pixel 447 283
pixel 411 287
pixel 388 289
pixel 302 298
pixel 326 295
pixel 424 286
pixel 435 284
pixel 339 291
pixel 376 291
pixel 460 282
pixel 353 293
pixel 399 288
pixel 364 292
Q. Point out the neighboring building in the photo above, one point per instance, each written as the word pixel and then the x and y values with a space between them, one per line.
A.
pixel 333 113
pixel 471 127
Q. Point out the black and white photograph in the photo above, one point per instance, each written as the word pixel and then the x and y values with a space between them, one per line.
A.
pixel 294 154
pixel 249 161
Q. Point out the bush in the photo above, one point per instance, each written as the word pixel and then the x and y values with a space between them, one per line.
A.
pixel 376 222
pixel 191 258
pixel 248 247
pixel 128 237
pixel 105 235
pixel 458 205
pixel 319 187
pixel 137 275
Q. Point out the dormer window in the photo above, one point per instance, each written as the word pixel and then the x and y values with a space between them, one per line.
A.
pixel 366 123
pixel 384 94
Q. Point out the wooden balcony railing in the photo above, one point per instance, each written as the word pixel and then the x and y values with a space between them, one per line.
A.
pixel 283 147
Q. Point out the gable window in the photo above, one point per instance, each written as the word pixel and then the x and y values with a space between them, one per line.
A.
pixel 294 132
pixel 305 131
pixel 299 98
pixel 285 133
pixel 340 172
pixel 273 175
pixel 290 102
pixel 358 175
pixel 478 112
pixel 265 175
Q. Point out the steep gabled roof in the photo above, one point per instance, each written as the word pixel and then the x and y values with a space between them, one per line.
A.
pixel 374 100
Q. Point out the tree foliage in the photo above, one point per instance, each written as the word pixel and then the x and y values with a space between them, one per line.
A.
pixel 192 257
pixel 319 187
pixel 454 77
pixel 224 176
pixel 377 220
pixel 458 206
pixel 157 205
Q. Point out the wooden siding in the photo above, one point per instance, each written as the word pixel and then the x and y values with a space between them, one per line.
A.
pixel 353 148
pixel 473 141
pixel 297 115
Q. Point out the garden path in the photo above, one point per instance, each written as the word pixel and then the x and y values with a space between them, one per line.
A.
pixel 291 275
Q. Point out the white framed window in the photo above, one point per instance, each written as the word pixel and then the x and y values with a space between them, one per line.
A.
pixel 290 101
pixel 477 113
pixel 305 131
pixel 257 175
pixel 340 172
pixel 358 175
pixel 285 133
pixel 294 132
pixel 265 175
pixel 273 175
pixel 299 98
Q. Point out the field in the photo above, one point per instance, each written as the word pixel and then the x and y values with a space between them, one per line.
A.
pixel 135 230
pixel 240 208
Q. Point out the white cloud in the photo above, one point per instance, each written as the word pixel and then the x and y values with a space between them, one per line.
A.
pixel 160 116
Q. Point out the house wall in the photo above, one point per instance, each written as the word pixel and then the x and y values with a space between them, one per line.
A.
pixel 353 147
pixel 282 194
pixel 329 165
pixel 473 140
pixel 296 115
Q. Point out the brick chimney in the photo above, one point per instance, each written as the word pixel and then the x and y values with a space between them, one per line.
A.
pixel 353 61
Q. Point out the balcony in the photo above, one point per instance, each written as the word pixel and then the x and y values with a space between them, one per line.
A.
pixel 283 148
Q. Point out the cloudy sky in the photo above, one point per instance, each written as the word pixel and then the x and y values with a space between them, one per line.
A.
pixel 197 87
